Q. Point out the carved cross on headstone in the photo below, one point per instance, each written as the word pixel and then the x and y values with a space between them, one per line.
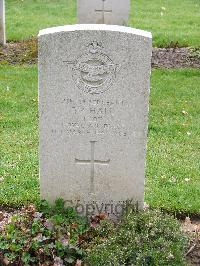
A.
pixel 92 163
pixel 103 11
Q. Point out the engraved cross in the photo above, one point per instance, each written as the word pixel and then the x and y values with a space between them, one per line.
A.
pixel 103 11
pixel 92 163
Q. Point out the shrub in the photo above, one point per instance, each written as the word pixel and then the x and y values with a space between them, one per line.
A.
pixel 48 236
pixel 55 235
pixel 142 238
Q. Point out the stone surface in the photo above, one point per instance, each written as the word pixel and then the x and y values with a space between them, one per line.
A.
pixel 93 103
pixel 114 12
pixel 2 23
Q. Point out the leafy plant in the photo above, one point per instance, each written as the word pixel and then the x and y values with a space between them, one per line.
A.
pixel 142 238
pixel 56 235
pixel 195 52
pixel 48 234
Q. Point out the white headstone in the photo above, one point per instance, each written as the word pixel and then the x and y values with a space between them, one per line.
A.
pixel 93 101
pixel 114 12
pixel 2 23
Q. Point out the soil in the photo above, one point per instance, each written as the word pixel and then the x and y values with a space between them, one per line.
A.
pixel 25 52
pixel 192 228
pixel 175 58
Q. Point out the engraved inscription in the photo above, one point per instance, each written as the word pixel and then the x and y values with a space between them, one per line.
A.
pixel 92 163
pixel 93 72
pixel 94 116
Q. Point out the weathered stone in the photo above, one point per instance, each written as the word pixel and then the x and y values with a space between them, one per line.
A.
pixel 114 12
pixel 93 101
pixel 2 23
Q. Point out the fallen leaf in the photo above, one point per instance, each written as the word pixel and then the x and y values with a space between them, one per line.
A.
pixel 146 206
pixel 172 180
pixel 187 221
pixel 38 215
pixel 6 261
pixel 170 256
pixel 1 216
pixel 78 263
pixel 74 226
pixel 102 216
pixel 58 261
pixel 187 179
pixel 184 112
pixel 64 241
pixel 49 225
pixel 30 209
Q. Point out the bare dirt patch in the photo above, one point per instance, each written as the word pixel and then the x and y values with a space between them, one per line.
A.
pixel 25 52
pixel 192 228
pixel 175 58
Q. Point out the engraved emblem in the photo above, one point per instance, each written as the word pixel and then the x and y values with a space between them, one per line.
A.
pixel 94 72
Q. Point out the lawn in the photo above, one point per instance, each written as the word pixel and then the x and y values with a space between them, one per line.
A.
pixel 19 135
pixel 171 22
pixel 173 140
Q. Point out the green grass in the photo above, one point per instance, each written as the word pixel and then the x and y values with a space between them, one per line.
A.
pixel 25 18
pixel 171 21
pixel 180 21
pixel 18 135
pixel 173 142
pixel 174 145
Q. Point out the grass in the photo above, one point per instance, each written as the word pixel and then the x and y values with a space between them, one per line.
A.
pixel 173 142
pixel 172 22
pixel 25 18
pixel 173 146
pixel 19 135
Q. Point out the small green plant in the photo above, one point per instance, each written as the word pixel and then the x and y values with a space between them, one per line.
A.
pixel 47 234
pixel 142 238
pixel 195 52
pixel 100 229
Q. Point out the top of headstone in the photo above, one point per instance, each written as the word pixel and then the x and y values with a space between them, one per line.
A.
pixel 95 27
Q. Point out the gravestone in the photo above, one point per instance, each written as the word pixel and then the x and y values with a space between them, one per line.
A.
pixel 2 23
pixel 114 12
pixel 93 102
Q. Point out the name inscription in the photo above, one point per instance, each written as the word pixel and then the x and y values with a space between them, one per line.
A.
pixel 93 116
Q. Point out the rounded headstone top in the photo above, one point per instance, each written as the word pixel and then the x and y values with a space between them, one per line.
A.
pixel 95 27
